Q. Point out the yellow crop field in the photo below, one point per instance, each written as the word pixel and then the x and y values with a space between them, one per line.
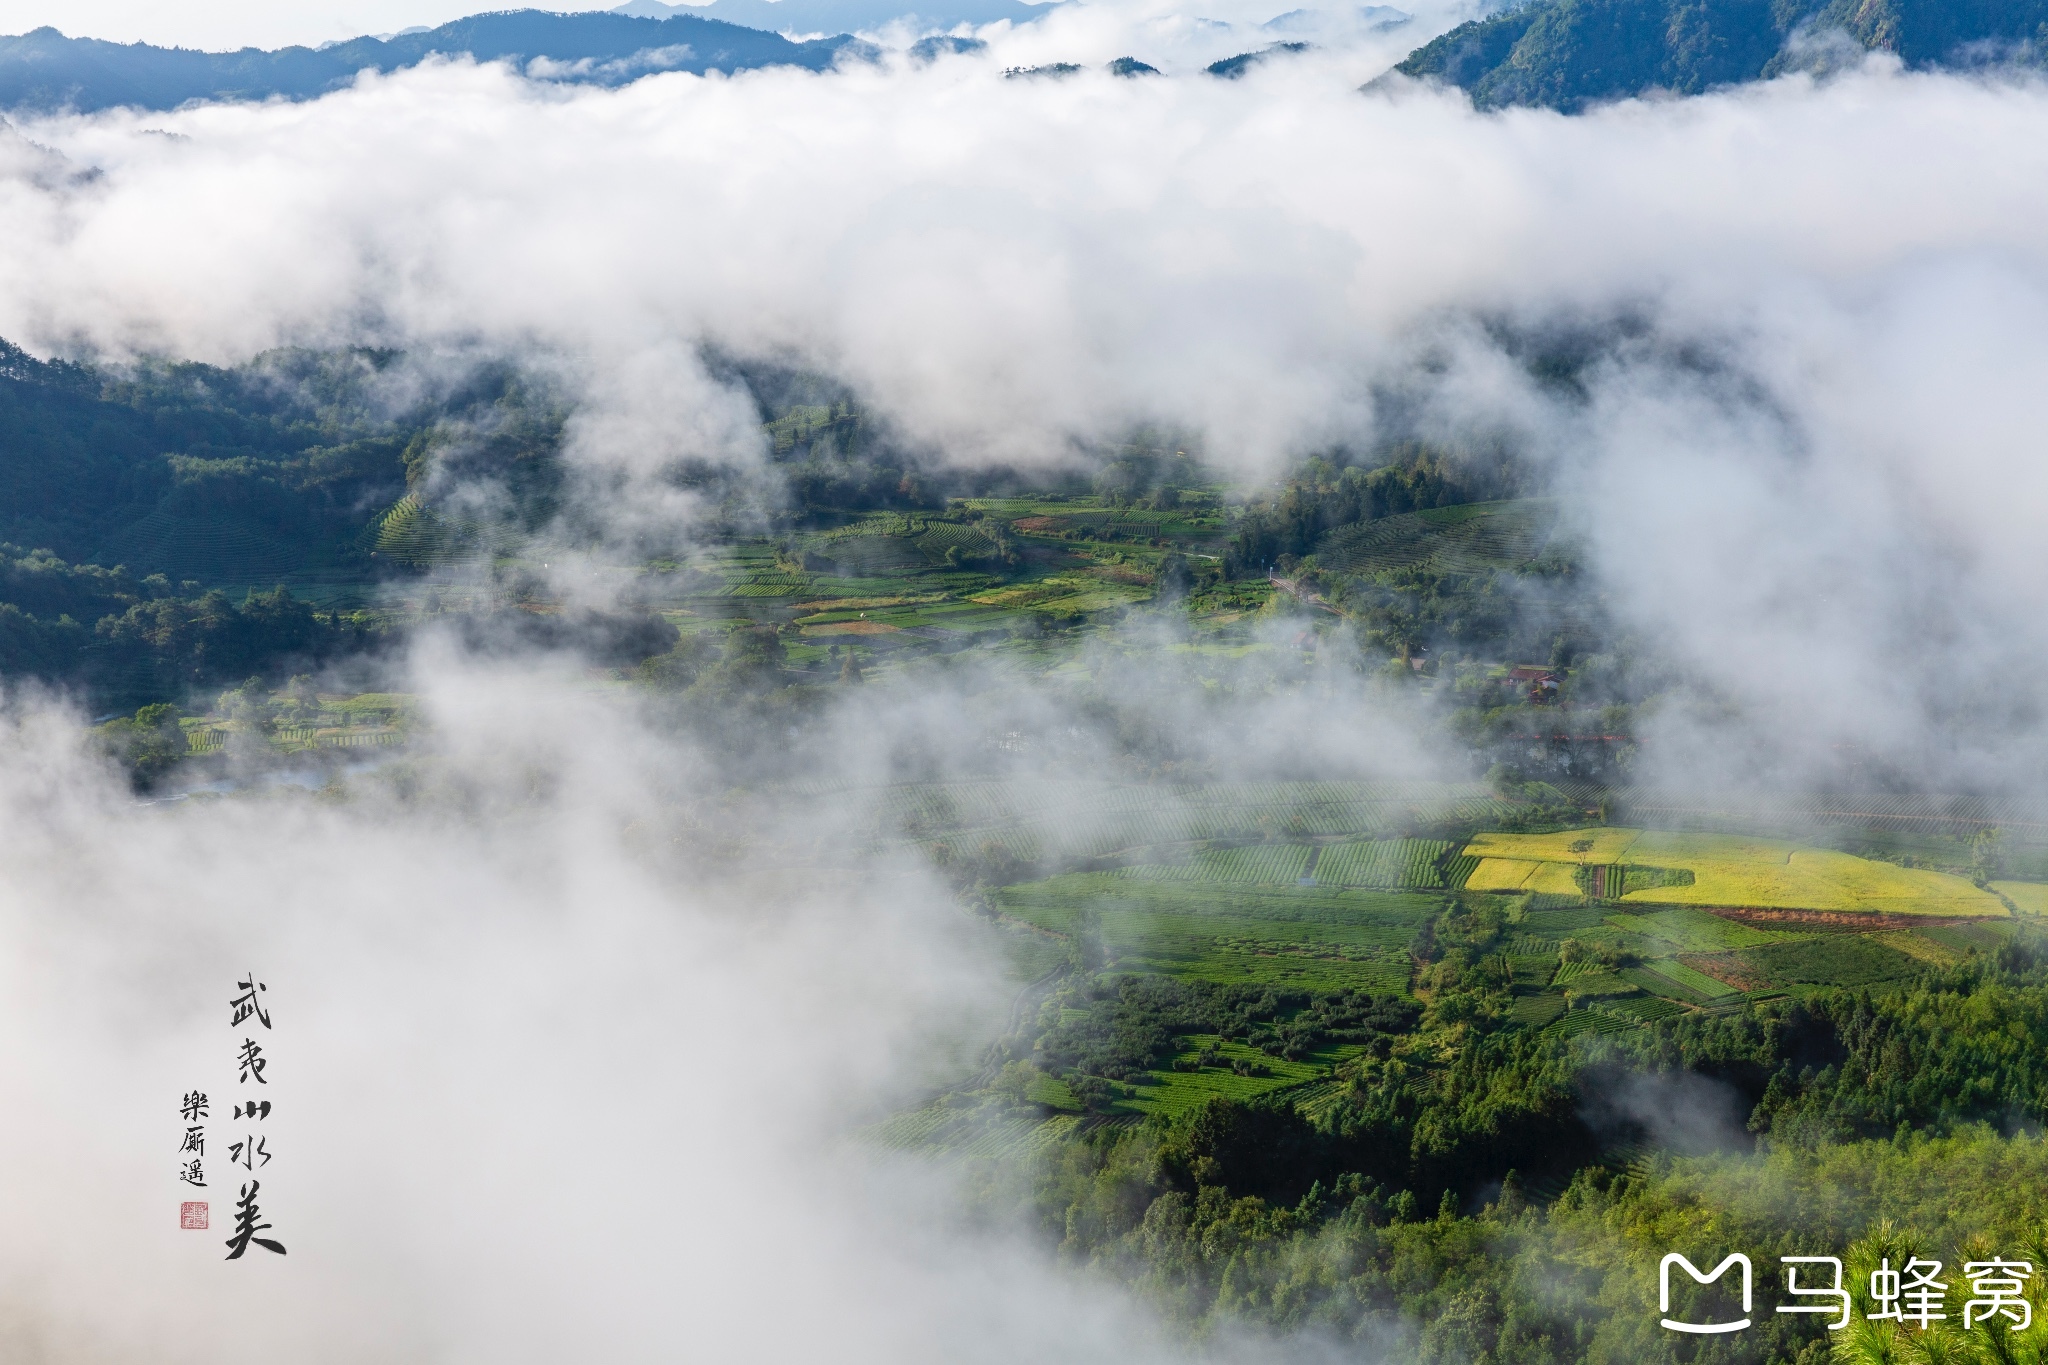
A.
pixel 1553 878
pixel 1912 945
pixel 1608 846
pixel 2031 897
pixel 1500 874
pixel 1667 848
pixel 1766 874
pixel 1817 879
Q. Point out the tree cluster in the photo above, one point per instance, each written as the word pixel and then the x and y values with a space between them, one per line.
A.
pixel 1320 499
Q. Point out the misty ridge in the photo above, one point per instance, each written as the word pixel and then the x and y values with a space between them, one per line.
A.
pixel 1562 54
pixel 883 711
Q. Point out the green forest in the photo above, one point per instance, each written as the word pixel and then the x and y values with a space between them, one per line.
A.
pixel 1464 1125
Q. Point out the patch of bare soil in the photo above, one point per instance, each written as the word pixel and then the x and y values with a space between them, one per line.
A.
pixel 1840 921
pixel 1726 968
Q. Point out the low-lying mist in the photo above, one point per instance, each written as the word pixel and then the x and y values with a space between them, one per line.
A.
pixel 569 1055
pixel 1797 321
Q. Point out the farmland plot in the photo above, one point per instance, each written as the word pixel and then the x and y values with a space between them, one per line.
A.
pixel 1693 931
pixel 1698 982
pixel 1605 846
pixel 1169 1091
pixel 2031 897
pixel 1731 870
pixel 1832 960
pixel 1382 862
pixel 1500 874
pixel 1279 863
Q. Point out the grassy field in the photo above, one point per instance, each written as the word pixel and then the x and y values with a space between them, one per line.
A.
pixel 2031 897
pixel 1693 931
pixel 1168 1091
pixel 1730 870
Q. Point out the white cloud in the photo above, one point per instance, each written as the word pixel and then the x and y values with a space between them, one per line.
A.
pixel 542 1095
pixel 227 25
pixel 1003 268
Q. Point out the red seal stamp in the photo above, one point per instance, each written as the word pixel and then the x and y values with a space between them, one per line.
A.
pixel 192 1215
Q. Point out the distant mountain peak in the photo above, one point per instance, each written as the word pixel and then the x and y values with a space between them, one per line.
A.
pixel 847 16
pixel 46 70
pixel 1569 54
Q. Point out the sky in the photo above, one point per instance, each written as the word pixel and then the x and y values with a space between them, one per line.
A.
pixel 1156 26
pixel 221 25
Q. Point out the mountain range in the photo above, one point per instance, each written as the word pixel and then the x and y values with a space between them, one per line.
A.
pixel 45 70
pixel 837 16
pixel 1563 54
pixel 1569 54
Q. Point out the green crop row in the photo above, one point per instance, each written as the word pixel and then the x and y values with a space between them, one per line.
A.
pixel 1382 862
pixel 1657 983
pixel 1535 1011
pixel 1643 1007
pixel 1266 863
pixel 1693 980
pixel 1576 1022
pixel 1459 870
pixel 1693 931
pixel 1831 960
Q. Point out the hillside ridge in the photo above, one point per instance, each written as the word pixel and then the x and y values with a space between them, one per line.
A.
pixel 1572 54
pixel 44 70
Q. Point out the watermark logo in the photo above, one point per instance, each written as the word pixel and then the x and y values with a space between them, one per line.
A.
pixel 1708 1277
pixel 1840 1301
pixel 1912 1294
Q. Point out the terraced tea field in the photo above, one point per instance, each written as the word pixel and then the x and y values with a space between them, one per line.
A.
pixel 1171 1090
pixel 1061 820
pixel 1692 931
pixel 1414 863
pixel 1474 538
pixel 1313 903
pixel 986 573
pixel 1302 937
pixel 1270 863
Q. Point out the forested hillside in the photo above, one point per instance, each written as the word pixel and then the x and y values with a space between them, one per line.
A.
pixel 1567 54
pixel 149 515
pixel 192 471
